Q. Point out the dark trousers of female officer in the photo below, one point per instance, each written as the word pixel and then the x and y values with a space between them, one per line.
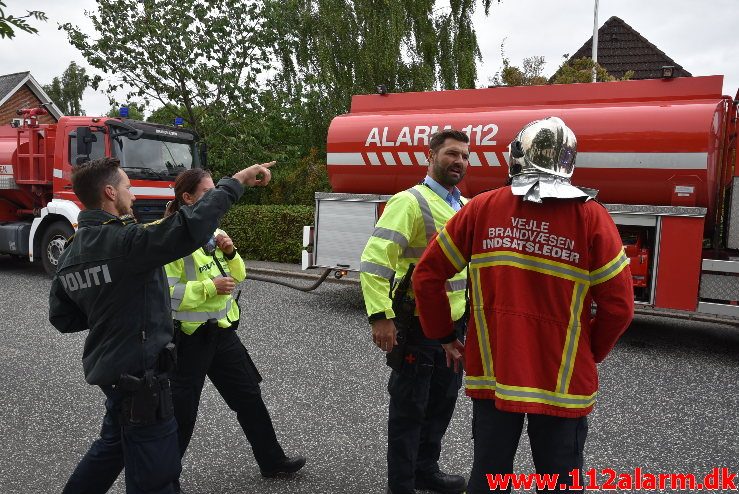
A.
pixel 149 452
pixel 557 445
pixel 423 395
pixel 219 354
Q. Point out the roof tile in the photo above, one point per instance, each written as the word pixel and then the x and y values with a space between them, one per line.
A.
pixel 9 82
pixel 621 48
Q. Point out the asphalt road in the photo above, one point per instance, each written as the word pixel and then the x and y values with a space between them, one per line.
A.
pixel 668 401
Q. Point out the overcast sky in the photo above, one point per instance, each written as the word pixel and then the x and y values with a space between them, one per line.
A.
pixel 700 36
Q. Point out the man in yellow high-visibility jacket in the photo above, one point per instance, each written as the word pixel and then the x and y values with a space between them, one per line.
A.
pixel 423 389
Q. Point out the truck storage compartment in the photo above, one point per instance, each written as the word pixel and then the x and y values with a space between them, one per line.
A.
pixel 719 290
pixel 732 235
pixel 344 223
pixel 14 238
pixel 639 248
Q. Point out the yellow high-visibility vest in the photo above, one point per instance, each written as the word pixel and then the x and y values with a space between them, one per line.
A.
pixel 410 220
pixel 193 293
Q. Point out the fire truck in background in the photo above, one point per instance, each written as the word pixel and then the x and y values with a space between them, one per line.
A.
pixel 662 152
pixel 38 210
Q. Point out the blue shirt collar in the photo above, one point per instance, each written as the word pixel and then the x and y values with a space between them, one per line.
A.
pixel 442 191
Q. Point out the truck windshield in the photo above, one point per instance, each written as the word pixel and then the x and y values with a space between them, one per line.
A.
pixel 154 159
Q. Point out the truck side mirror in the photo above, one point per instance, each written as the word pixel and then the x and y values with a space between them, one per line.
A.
pixel 85 138
pixel 203 149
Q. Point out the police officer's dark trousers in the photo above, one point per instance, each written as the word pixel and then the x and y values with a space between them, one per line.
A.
pixel 219 354
pixel 149 452
pixel 423 395
pixel 557 445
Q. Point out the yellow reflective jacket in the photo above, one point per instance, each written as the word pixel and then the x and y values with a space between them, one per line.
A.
pixel 410 220
pixel 193 293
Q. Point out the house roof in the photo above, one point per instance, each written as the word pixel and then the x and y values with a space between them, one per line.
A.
pixel 11 83
pixel 621 48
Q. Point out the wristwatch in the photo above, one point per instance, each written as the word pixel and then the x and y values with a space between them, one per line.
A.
pixel 377 316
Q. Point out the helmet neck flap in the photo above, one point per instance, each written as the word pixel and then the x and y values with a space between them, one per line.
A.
pixel 542 160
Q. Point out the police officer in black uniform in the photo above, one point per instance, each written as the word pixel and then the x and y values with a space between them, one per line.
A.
pixel 111 280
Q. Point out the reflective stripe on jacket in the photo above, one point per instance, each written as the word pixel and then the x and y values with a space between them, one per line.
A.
pixel 409 222
pixel 193 293
pixel 535 270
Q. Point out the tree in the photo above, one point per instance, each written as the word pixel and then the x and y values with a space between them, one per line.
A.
pixel 458 48
pixel 165 115
pixel 261 80
pixel 330 50
pixel 201 59
pixel 189 53
pixel 67 92
pixel 9 23
pixel 528 75
pixel 581 70
pixel 135 111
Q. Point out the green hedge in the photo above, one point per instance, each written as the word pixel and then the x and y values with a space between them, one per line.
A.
pixel 268 232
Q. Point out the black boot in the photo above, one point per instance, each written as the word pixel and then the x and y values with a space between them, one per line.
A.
pixel 441 482
pixel 287 466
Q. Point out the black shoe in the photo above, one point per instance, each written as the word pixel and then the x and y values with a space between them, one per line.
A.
pixel 441 482
pixel 288 465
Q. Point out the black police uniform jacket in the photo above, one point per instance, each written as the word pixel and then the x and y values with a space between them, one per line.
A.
pixel 111 280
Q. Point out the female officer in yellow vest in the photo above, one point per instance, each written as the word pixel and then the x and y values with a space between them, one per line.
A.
pixel 206 316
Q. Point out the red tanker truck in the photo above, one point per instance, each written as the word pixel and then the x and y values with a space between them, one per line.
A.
pixel 662 152
pixel 38 209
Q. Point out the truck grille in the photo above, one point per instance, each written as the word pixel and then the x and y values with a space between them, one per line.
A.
pixel 148 210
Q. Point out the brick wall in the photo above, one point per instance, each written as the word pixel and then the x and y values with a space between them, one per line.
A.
pixel 23 98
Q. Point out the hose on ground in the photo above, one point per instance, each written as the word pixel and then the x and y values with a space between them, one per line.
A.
pixel 290 285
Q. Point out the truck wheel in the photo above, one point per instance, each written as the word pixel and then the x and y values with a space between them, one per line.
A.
pixel 52 245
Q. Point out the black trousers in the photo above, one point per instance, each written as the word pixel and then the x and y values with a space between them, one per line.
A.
pixel 422 400
pixel 557 445
pixel 149 452
pixel 219 354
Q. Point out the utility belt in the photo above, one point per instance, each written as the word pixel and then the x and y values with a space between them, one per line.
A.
pixel 148 399
pixel 209 325
pixel 409 332
pixel 212 325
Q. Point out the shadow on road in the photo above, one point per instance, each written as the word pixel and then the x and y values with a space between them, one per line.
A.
pixel 663 334
pixel 15 265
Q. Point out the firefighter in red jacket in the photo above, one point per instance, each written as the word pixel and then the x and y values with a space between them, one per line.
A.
pixel 540 252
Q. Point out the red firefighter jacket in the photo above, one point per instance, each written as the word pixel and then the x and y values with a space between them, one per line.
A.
pixel 535 270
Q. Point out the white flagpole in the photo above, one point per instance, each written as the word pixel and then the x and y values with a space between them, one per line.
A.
pixel 595 39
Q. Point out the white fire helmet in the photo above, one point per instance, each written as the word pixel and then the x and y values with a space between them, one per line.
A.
pixel 543 146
